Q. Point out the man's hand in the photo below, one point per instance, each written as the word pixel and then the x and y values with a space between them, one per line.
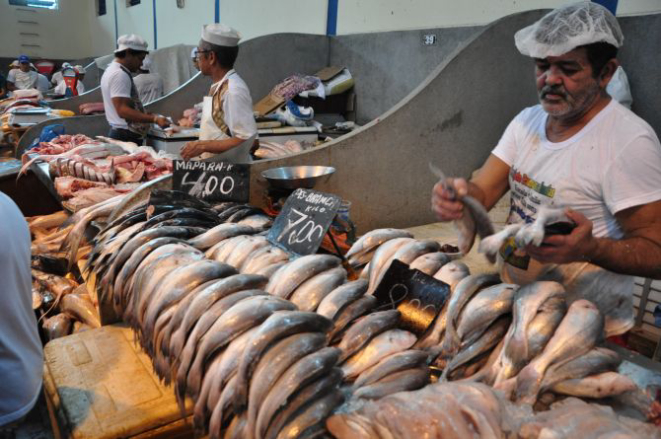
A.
pixel 161 121
pixel 444 202
pixel 578 246
pixel 192 149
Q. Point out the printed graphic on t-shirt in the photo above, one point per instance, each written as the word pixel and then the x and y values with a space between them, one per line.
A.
pixel 527 195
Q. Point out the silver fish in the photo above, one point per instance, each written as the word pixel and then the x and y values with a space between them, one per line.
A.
pixel 229 247
pixel 374 239
pixel 262 258
pixel 310 423
pixel 75 306
pixel 430 263
pixel 384 344
pixel 409 359
pixel 244 249
pixel 364 329
pixel 594 362
pixel 382 256
pixel 279 325
pixel 578 332
pixel 341 297
pixel 407 253
pixel 219 233
pixel 485 307
pixel 223 406
pixel 274 363
pixel 404 380
pixel 350 313
pixel 257 221
pixel 310 293
pixel 293 274
pixel 303 371
pixel 452 273
pixel 597 386
pixel 139 196
pixel 270 270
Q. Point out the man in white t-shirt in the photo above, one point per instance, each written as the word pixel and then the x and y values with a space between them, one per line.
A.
pixel 21 357
pixel 149 85
pixel 123 109
pixel 23 77
pixel 582 150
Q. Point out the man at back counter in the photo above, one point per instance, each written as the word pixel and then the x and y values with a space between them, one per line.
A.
pixel 582 150
pixel 124 111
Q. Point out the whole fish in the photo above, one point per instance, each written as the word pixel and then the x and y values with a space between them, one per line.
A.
pixel 310 293
pixel 382 256
pixel 578 332
pixel 430 263
pixel 231 244
pixel 274 363
pixel 293 274
pixel 279 325
pixel 79 308
pixel 464 292
pixel 350 313
pixel 270 270
pixel 596 361
pixel 262 258
pixel 57 326
pixel 384 344
pixel 364 329
pixel 341 297
pixel 409 359
pixel 218 234
pixel 215 249
pixel 47 221
pixel 304 371
pixel 597 386
pixel 258 222
pixel 140 196
pixel 306 396
pixel 483 309
pixel 220 411
pixel 375 238
pixel 452 273
pixel 217 290
pixel 404 380
pixel 310 422
pixel 57 285
pixel 234 322
pixel 242 251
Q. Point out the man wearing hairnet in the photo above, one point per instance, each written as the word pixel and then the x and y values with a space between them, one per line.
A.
pixel 581 150
pixel 148 83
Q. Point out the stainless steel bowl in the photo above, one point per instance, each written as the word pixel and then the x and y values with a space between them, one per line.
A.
pixel 294 177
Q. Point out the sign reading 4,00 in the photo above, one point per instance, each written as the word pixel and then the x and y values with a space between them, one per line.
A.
pixel 304 220
pixel 212 181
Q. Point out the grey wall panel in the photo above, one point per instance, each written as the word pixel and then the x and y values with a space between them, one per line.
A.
pixel 388 65
pixel 641 59
pixel 189 94
pixel 453 118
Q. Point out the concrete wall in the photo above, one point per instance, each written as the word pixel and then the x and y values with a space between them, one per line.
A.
pixel 388 65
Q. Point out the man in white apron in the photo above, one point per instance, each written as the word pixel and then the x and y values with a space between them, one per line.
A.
pixel 227 129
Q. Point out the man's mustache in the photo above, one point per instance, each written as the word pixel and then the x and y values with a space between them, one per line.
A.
pixel 554 90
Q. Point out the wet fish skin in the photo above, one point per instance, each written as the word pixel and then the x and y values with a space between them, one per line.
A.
pixel 219 233
pixel 341 297
pixel 217 290
pixel 270 270
pixel 364 329
pixel 430 263
pixel 409 359
pixel 310 293
pixel 306 396
pixel 350 313
pixel 596 386
pixel 243 250
pixel 596 361
pixel 375 238
pixel 80 309
pixel 57 326
pixel 578 332
pixel 220 411
pixel 381 346
pixel 140 196
pixel 262 258
pixel 404 380
pixel 452 273
pixel 382 255
pixel 274 363
pixel 405 253
pixel 277 326
pixel 293 274
pixel 304 371
pixel 483 309
pixel 234 322
pixel 223 254
pixel 310 423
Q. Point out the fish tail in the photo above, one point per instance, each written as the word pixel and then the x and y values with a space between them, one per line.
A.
pixel 527 385
pixel 517 348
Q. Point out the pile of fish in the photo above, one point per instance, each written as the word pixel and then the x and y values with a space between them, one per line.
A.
pixel 272 150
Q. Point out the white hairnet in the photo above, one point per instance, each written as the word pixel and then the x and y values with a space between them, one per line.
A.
pixel 566 28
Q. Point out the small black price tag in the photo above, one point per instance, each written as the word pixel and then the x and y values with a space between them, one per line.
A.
pixel 418 297
pixel 303 221
pixel 212 181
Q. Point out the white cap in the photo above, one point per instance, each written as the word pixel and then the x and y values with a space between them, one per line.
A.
pixel 14 63
pixel 132 41
pixel 146 63
pixel 566 28
pixel 80 69
pixel 220 35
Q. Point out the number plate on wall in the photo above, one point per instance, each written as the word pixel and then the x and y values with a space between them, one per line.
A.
pixel 304 220
pixel 212 181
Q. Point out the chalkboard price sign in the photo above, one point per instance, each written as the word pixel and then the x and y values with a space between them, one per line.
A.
pixel 418 297
pixel 304 220
pixel 212 181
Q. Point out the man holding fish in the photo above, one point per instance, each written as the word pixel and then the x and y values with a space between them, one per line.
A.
pixel 581 154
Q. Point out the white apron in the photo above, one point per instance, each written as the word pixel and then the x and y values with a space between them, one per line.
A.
pixel 210 131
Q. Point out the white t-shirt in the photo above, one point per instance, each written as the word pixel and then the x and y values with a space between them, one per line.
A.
pixel 61 88
pixel 237 107
pixel 149 86
pixel 612 164
pixel 115 83
pixel 57 78
pixel 21 358
pixel 23 80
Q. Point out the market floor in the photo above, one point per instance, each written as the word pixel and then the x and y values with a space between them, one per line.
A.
pixel 36 424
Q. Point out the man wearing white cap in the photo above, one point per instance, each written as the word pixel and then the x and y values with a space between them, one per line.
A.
pixel 583 151
pixel 71 77
pixel 227 128
pixel 149 85
pixel 124 111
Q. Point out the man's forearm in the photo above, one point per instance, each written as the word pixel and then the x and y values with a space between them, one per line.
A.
pixel 637 256
pixel 132 115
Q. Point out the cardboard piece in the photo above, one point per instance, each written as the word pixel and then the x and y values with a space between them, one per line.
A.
pixel 328 73
pixel 268 104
